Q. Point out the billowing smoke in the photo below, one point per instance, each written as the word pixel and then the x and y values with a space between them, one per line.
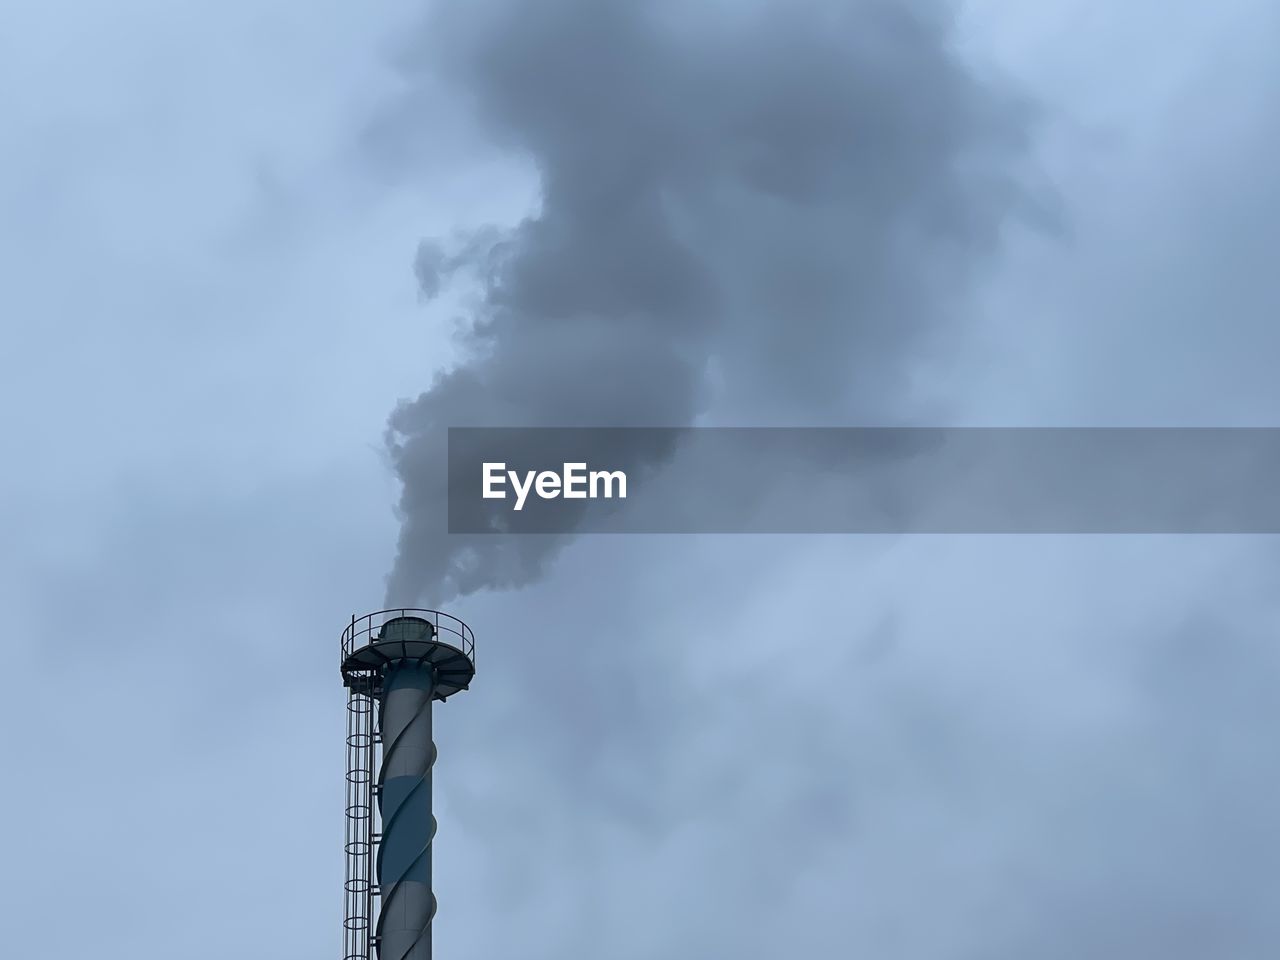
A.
pixel 758 210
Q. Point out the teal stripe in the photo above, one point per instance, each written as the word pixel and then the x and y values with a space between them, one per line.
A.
pixel 408 827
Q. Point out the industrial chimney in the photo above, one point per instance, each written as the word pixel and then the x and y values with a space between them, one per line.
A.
pixel 394 664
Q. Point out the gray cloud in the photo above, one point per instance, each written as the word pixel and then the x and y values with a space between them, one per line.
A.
pixel 760 212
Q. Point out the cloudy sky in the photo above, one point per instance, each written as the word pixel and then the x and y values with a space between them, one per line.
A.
pixel 241 240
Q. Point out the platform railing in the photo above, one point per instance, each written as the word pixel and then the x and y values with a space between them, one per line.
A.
pixel 363 631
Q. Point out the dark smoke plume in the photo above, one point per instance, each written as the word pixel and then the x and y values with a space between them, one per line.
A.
pixel 760 210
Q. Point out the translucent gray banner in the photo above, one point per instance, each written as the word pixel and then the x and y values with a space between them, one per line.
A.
pixel 863 480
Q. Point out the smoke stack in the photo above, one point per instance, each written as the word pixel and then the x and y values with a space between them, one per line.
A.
pixel 395 663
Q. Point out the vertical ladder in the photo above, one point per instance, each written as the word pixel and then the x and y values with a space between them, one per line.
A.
pixel 358 888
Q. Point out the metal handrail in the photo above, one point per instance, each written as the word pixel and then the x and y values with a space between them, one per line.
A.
pixel 363 631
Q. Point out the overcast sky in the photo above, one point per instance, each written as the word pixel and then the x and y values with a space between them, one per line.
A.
pixel 212 297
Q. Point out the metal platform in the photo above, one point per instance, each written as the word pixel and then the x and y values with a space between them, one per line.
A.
pixel 374 642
